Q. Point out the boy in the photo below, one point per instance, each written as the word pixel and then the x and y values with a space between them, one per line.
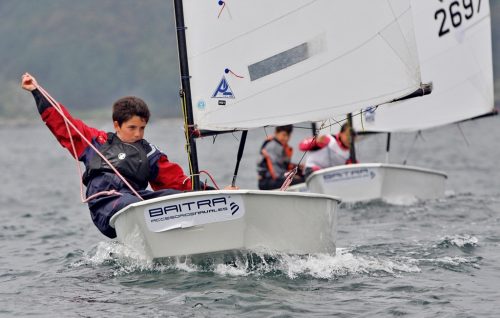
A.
pixel 327 150
pixel 138 161
pixel 275 162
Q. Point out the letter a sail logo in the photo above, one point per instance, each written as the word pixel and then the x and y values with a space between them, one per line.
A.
pixel 223 90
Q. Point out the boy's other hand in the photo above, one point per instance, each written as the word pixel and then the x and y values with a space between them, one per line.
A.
pixel 28 82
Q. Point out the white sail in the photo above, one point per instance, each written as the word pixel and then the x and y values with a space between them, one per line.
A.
pixel 454 46
pixel 256 63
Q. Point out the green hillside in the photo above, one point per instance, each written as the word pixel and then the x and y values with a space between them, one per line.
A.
pixel 88 53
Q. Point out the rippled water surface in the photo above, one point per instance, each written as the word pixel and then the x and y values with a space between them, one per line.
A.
pixel 437 258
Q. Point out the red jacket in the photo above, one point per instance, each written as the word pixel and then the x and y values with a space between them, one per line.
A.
pixel 163 173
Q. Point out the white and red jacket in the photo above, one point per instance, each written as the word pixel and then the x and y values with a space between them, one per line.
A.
pixel 327 153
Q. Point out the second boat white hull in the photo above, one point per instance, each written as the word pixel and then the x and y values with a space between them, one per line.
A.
pixel 398 184
pixel 213 221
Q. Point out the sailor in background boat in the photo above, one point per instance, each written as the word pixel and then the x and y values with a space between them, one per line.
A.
pixel 275 161
pixel 139 162
pixel 325 151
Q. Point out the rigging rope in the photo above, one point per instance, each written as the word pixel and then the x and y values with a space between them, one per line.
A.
pixel 463 135
pixel 361 118
pixel 291 174
pixel 187 137
pixel 412 145
pixel 68 123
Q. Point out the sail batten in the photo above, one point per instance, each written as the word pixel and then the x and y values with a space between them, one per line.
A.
pixel 288 61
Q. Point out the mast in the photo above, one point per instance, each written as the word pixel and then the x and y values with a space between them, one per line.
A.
pixel 240 154
pixel 352 150
pixel 185 94
pixel 387 147
pixel 314 129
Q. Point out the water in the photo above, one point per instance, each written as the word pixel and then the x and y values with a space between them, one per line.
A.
pixel 430 259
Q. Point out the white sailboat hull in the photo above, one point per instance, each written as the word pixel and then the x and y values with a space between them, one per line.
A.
pixel 298 223
pixel 299 187
pixel 398 184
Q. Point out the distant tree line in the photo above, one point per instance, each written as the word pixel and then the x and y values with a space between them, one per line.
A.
pixel 89 53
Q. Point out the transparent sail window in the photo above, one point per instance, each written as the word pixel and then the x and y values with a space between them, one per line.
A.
pixel 286 58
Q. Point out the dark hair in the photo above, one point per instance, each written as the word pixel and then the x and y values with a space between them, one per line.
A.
pixel 345 128
pixel 287 128
pixel 128 107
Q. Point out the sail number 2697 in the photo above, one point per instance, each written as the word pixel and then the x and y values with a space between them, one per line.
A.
pixel 454 15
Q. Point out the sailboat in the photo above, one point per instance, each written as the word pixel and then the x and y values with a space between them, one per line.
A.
pixel 454 48
pixel 251 64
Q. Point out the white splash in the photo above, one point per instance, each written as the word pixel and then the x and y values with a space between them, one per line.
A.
pixel 461 240
pixel 231 270
pixel 453 261
pixel 112 252
pixel 402 200
pixel 321 266
pixel 449 193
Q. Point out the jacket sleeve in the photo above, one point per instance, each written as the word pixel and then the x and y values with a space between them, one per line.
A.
pixel 169 175
pixel 273 156
pixel 314 143
pixel 57 126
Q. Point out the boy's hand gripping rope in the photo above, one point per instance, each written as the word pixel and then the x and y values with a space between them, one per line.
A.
pixel 293 172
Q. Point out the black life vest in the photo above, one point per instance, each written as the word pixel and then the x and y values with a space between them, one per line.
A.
pixel 130 159
pixel 262 168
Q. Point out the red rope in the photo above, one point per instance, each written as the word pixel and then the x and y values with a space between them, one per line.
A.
pixel 289 179
pixel 211 178
pixel 205 172
pixel 223 4
pixel 233 73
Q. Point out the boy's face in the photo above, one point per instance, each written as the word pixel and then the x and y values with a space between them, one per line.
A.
pixel 283 137
pixel 131 130
pixel 345 138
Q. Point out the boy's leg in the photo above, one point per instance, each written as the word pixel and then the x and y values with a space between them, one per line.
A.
pixel 156 194
pixel 270 184
pixel 102 210
pixel 298 179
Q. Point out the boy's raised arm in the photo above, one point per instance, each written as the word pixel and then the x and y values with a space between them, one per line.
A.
pixel 55 122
